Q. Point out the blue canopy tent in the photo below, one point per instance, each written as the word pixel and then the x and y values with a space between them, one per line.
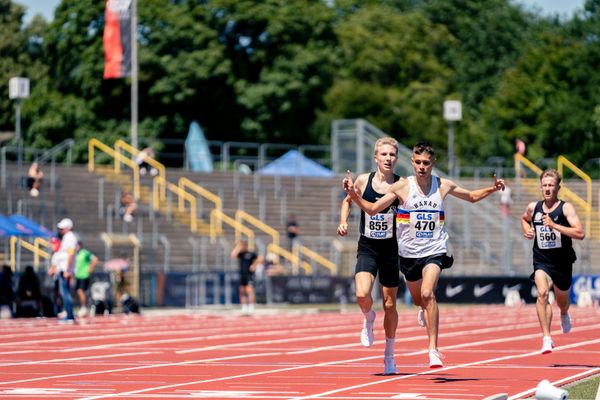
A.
pixel 18 225
pixel 24 224
pixel 294 163
pixel 8 228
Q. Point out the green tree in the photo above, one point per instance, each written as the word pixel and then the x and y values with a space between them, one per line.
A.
pixel 547 99
pixel 390 74
pixel 282 56
pixel 19 49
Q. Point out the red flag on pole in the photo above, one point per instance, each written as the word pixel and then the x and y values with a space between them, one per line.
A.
pixel 117 39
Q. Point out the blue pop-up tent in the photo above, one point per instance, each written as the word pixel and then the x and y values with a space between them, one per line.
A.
pixel 7 228
pixel 294 163
pixel 25 224
pixel 18 225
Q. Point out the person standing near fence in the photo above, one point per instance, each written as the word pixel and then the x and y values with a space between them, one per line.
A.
pixel 377 249
pixel 552 224
pixel 248 261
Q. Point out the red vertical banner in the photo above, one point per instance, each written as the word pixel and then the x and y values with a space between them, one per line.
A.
pixel 117 39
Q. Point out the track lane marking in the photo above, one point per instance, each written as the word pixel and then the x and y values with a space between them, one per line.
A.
pixel 428 372
pixel 438 370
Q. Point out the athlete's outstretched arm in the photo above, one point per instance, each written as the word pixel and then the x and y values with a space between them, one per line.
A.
pixel 474 195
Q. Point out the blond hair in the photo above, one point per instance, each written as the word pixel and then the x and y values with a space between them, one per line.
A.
pixel 383 141
pixel 552 173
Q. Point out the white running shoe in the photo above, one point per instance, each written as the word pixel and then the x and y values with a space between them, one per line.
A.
pixel 61 315
pixel 366 334
pixel 565 323
pixel 421 318
pixel 547 345
pixel 435 359
pixel 390 366
pixel 83 312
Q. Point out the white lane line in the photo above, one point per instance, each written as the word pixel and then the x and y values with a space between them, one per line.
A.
pixel 151 333
pixel 400 339
pixel 138 368
pixel 558 382
pixel 57 360
pixel 437 371
pixel 395 378
pixel 225 378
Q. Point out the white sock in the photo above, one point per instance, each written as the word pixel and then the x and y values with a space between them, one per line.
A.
pixel 369 314
pixel 389 346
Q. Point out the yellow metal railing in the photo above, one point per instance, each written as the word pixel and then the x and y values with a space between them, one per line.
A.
pixel 182 196
pixel 520 159
pixel 118 158
pixel 185 183
pixel 217 216
pixel 319 259
pixel 291 257
pixel 28 246
pixel 241 215
pixel 162 171
pixel 38 242
pixel 586 205
pixel 566 193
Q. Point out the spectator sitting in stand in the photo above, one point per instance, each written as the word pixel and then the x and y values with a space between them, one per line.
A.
pixel 142 160
pixel 128 207
pixel 29 295
pixel 34 179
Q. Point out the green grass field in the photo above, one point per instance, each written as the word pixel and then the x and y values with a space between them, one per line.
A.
pixel 586 389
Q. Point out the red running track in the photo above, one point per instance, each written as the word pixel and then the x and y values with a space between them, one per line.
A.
pixel 290 355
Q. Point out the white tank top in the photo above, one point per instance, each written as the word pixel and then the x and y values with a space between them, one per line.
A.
pixel 420 222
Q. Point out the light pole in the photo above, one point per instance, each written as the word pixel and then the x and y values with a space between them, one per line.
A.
pixel 18 89
pixel 452 113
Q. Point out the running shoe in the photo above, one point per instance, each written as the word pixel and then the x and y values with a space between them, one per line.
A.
pixel 435 359
pixel 565 323
pixel 547 345
pixel 390 366
pixel 83 312
pixel 421 318
pixel 366 334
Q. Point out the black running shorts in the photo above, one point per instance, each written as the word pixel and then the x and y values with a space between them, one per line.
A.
pixel 412 268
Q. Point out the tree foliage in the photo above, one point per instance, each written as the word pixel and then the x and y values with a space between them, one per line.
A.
pixel 281 71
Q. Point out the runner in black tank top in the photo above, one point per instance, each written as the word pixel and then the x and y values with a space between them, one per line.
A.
pixel 377 250
pixel 552 225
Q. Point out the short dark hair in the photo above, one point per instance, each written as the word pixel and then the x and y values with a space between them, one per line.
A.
pixel 424 147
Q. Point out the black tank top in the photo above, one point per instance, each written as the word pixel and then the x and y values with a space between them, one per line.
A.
pixel 371 195
pixel 550 247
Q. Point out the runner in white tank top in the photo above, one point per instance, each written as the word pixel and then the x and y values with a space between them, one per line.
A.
pixel 420 222
pixel 421 236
